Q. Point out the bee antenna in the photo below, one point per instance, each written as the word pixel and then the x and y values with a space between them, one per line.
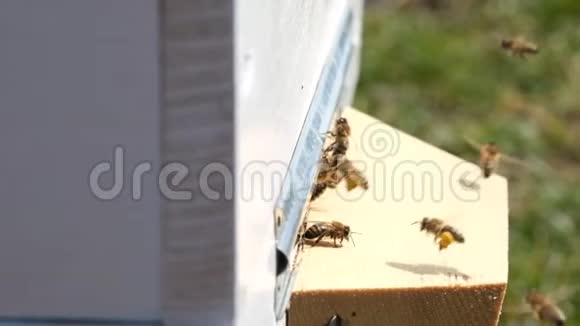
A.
pixel 415 222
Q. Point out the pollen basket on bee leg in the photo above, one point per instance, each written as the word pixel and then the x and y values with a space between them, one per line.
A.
pixel 445 239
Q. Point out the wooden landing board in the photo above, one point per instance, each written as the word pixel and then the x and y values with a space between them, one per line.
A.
pixel 396 275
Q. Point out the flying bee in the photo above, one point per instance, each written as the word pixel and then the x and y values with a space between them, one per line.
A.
pixel 430 225
pixel 334 230
pixel 490 157
pixel 544 309
pixel 449 235
pixel 354 177
pixel 334 171
pixel 340 134
pixel 444 234
pixel 520 47
pixel 328 177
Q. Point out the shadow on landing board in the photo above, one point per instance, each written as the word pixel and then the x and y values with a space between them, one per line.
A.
pixel 428 269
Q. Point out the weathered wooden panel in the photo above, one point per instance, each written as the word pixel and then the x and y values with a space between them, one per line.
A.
pixel 198 129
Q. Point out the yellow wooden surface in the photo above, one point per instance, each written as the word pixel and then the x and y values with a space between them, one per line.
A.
pixel 394 267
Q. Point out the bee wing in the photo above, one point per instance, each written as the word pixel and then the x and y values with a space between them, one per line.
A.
pixel 521 41
pixel 472 143
pixel 535 166
pixel 315 209
pixel 564 293
pixel 512 160
pixel 322 235
pixel 345 168
pixel 354 177
pixel 317 221
pixel 520 309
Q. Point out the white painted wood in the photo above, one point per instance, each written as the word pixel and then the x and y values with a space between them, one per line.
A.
pixel 171 81
pixel 281 48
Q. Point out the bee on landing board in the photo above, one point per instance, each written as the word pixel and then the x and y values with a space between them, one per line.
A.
pixel 328 175
pixel 340 134
pixel 444 233
pixel 520 47
pixel 333 230
pixel 544 309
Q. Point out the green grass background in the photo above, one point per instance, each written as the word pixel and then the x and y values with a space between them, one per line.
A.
pixel 437 72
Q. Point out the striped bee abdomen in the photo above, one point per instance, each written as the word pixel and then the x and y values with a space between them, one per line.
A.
pixel 315 231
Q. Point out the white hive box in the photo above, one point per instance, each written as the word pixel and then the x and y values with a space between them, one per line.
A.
pixel 173 81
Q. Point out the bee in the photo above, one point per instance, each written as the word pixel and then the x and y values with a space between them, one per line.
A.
pixel 490 157
pixel 334 230
pixel 318 190
pixel 340 134
pixel 544 309
pixel 444 233
pixel 300 239
pixel 328 177
pixel 354 177
pixel 520 47
pixel 333 171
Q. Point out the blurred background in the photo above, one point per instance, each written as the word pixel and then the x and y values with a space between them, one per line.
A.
pixel 434 69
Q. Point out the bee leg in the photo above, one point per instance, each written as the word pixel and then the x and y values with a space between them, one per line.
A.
pixel 326 134
pixel 301 244
pixel 320 238
pixel 330 147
